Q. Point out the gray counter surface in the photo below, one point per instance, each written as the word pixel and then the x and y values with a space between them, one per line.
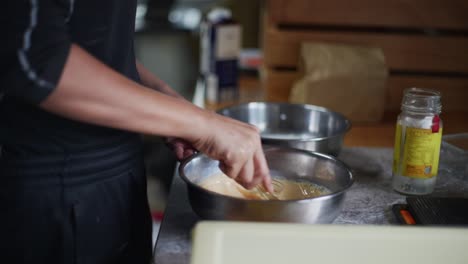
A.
pixel 368 201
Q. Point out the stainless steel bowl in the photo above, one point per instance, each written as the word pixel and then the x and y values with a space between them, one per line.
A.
pixel 289 163
pixel 299 126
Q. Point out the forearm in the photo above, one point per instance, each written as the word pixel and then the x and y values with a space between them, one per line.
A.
pixel 150 80
pixel 91 92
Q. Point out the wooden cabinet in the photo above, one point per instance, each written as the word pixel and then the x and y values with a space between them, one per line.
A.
pixel 425 42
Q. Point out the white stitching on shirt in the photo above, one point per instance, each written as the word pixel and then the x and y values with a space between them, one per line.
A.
pixel 22 57
pixel 70 10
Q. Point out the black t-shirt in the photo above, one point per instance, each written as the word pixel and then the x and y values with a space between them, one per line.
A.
pixel 37 35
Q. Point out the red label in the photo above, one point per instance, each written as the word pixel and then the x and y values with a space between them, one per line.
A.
pixel 435 124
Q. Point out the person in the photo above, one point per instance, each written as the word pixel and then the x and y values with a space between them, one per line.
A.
pixel 74 101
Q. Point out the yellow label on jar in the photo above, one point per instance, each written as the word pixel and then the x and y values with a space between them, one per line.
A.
pixel 421 149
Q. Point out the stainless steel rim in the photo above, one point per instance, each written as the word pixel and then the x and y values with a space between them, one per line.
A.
pixel 306 106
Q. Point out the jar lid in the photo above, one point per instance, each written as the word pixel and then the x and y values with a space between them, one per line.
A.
pixel 421 100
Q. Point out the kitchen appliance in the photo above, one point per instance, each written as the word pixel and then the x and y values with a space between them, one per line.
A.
pixel 431 210
pixel 300 126
pixel 289 163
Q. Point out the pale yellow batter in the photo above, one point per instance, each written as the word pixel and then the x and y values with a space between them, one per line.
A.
pixel 284 189
pixel 222 184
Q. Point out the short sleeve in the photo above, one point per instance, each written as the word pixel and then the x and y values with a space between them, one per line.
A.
pixel 37 47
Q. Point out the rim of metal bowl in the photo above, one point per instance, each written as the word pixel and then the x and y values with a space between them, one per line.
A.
pixel 310 153
pixel 307 106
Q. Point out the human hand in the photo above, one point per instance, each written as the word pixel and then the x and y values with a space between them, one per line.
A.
pixel 238 148
pixel 181 148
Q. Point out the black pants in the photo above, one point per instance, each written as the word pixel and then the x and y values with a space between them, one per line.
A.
pixel 83 208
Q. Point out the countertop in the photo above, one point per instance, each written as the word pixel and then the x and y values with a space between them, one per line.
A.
pixel 368 201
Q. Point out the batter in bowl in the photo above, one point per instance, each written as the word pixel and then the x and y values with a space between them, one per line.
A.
pixel 284 189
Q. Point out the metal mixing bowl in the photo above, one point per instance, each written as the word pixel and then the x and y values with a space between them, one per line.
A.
pixel 299 126
pixel 288 163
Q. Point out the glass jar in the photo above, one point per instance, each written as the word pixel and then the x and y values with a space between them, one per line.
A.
pixel 417 142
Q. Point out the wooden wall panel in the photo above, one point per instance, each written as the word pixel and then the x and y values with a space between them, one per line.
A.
pixel 402 52
pixel 451 14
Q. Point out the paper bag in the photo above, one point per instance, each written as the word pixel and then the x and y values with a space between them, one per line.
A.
pixel 344 78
